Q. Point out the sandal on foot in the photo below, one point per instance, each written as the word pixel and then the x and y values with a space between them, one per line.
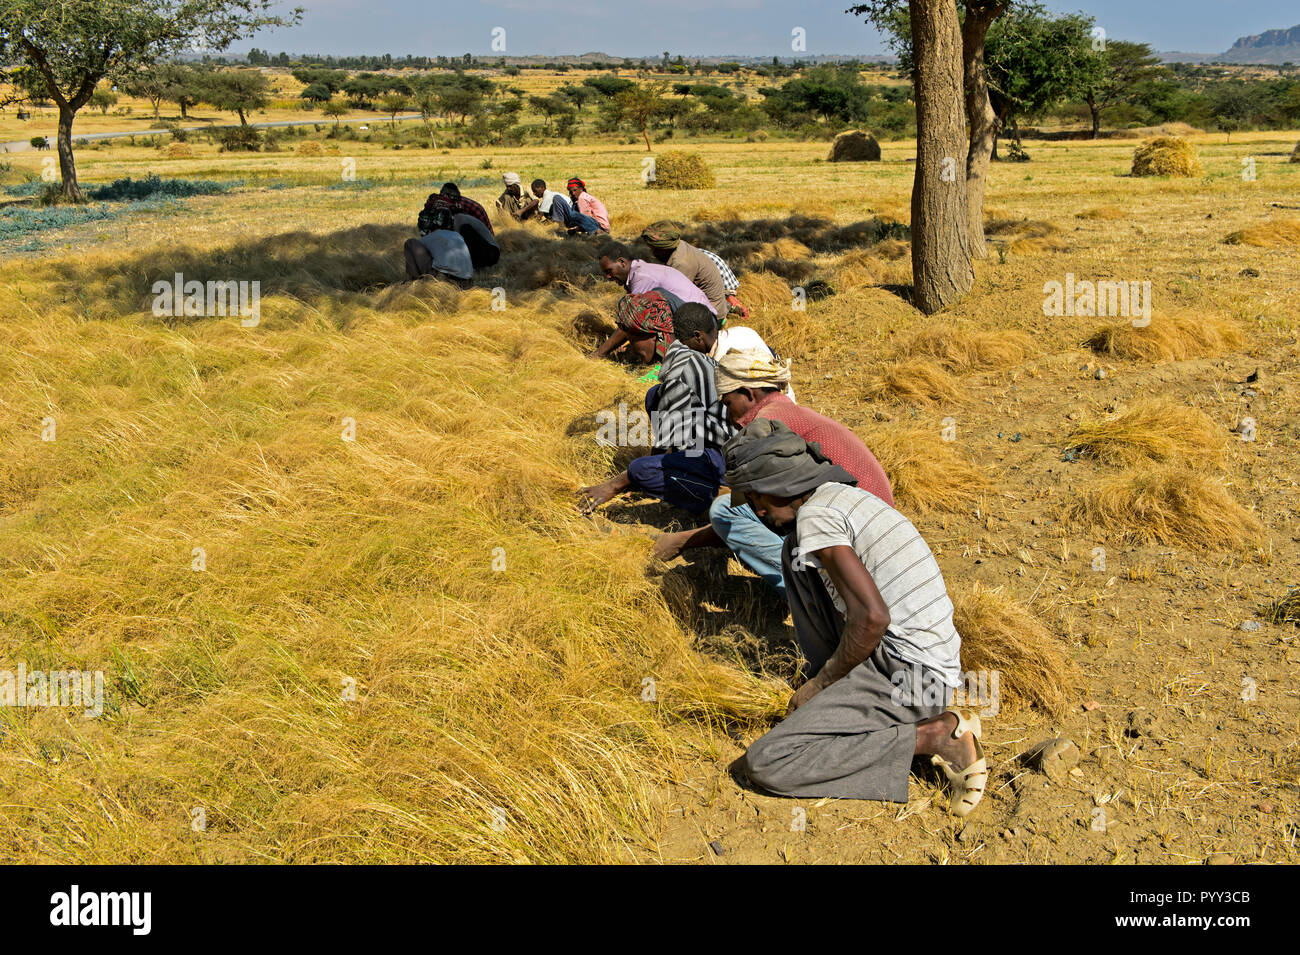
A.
pixel 968 721
pixel 968 784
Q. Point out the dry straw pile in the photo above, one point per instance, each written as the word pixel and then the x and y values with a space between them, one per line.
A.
pixel 998 633
pixel 926 472
pixel 1166 156
pixel 310 148
pixel 178 151
pixel 1280 233
pixel 1172 504
pixel 1174 337
pixel 1152 429
pixel 678 169
pixel 854 146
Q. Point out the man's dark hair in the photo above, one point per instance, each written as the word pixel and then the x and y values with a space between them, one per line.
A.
pixel 691 318
pixel 614 251
pixel 451 190
pixel 539 182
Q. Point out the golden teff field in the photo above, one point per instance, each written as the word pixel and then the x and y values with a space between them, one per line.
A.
pixel 331 567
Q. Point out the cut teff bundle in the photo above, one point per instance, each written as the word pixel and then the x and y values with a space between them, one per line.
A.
pixel 1167 338
pixel 1153 429
pixel 682 170
pixel 999 634
pixel 1171 505
pixel 1166 156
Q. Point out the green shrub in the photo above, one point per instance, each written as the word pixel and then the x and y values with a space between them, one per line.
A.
pixel 239 139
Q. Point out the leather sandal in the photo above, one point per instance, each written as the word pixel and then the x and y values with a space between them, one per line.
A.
pixel 968 784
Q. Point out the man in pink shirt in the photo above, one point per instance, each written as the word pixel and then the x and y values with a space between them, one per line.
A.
pixel 640 276
pixel 588 204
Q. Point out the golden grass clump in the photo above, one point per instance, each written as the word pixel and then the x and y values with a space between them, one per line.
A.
pixel 853 145
pixel 1295 153
pixel 1166 156
pixel 925 472
pixel 310 148
pixel 999 633
pixel 178 151
pixel 764 288
pixel 1171 504
pixel 961 350
pixel 911 380
pixel 1151 429
pixel 679 169
pixel 1174 337
pixel 373 516
pixel 1038 245
pixel 1280 233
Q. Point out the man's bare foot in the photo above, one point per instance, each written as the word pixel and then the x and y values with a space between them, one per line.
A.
pixel 668 546
pixel 935 737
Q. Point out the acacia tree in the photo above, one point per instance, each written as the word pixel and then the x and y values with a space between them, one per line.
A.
pixel 237 91
pixel 1123 69
pixel 941 256
pixel 74 44
pixel 976 18
pixel 640 105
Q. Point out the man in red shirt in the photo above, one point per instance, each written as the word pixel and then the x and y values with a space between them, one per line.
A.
pixel 750 386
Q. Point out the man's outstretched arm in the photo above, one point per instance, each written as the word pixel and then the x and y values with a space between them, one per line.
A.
pixel 866 618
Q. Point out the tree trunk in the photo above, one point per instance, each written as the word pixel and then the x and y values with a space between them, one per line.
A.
pixel 242 120
pixel 67 164
pixel 1096 114
pixel 979 113
pixel 941 258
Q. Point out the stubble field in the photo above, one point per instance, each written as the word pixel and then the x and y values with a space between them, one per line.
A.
pixel 499 645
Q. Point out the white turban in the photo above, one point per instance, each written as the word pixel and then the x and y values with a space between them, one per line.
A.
pixel 511 179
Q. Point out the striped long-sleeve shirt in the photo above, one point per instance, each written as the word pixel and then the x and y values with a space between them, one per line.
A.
pixel 689 416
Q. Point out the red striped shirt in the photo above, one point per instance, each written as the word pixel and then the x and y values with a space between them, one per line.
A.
pixel 837 441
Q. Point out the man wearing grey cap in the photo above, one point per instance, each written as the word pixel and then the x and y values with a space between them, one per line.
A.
pixel 874 622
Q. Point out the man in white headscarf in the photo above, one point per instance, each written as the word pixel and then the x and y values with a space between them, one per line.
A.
pixel 512 199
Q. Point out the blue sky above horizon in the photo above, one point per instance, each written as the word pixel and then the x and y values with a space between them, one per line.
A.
pixel 636 28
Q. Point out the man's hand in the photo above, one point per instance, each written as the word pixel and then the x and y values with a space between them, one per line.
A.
pixel 804 694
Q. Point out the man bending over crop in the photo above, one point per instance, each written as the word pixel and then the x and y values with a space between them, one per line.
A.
pixel 874 622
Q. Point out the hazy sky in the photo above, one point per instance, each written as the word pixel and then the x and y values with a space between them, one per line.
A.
pixel 698 27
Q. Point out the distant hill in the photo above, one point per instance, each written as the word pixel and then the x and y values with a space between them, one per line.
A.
pixel 1273 47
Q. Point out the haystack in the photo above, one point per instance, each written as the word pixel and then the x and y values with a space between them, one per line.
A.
pixel 854 146
pixel 679 169
pixel 178 151
pixel 310 148
pixel 1166 156
pixel 1295 153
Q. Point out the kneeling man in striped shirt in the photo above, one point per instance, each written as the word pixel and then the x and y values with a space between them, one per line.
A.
pixel 874 622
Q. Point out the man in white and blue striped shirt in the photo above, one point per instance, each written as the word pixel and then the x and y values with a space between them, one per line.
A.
pixel 874 622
